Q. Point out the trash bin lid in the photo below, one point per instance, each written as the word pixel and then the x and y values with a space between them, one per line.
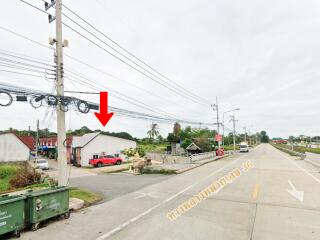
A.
pixel 8 199
pixel 47 191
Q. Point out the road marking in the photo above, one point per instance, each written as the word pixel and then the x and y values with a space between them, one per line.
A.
pixel 301 168
pixel 294 192
pixel 255 191
pixel 141 195
pixel 136 218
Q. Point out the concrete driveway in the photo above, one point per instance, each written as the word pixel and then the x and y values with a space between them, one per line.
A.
pixel 74 172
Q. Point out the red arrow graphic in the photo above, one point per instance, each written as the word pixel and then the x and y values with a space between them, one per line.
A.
pixel 104 116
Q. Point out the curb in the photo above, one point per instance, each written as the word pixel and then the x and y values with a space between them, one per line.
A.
pixel 199 165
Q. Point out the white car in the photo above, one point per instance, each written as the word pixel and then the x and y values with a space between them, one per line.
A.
pixel 244 147
pixel 42 164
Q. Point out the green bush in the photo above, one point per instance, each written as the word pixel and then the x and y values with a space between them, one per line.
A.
pixel 141 152
pixel 7 170
pixel 25 177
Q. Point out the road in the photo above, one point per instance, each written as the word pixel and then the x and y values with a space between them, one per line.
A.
pixel 256 205
pixel 113 185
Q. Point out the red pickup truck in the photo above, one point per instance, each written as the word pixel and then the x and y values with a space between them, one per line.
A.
pixel 105 160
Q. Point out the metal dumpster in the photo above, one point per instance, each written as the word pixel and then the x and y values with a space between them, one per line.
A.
pixel 12 214
pixel 45 204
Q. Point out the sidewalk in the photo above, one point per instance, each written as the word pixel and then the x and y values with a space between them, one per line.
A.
pixel 184 167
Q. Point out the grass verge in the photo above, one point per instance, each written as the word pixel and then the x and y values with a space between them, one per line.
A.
pixel 89 198
pixel 288 151
pixel 158 171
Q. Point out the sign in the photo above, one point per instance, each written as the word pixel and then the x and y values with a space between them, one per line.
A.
pixel 218 138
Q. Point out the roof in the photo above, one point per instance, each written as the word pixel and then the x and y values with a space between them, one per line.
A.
pixel 54 139
pixel 81 141
pixel 193 147
pixel 28 141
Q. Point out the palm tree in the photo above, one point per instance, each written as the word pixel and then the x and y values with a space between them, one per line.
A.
pixel 153 132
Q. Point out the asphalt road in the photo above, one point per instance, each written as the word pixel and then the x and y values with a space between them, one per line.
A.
pixel 256 205
pixel 116 184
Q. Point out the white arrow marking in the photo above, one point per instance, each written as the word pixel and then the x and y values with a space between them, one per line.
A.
pixel 146 195
pixel 293 191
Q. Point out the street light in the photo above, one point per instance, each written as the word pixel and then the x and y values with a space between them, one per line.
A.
pixel 232 110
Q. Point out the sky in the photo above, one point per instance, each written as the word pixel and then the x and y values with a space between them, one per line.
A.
pixel 259 56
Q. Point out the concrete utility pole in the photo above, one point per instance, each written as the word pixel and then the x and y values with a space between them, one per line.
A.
pixel 61 123
pixel 245 134
pixel 215 107
pixel 37 139
pixel 223 127
pixel 233 119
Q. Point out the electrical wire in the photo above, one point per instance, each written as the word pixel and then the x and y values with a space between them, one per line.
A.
pixel 131 66
pixel 118 111
pixel 131 54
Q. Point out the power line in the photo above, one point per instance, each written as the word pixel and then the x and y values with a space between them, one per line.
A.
pixel 131 54
pixel 29 59
pixel 129 59
pixel 170 88
pixel 76 59
pixel 119 111
pixel 25 74
pixel 130 65
pixel 39 9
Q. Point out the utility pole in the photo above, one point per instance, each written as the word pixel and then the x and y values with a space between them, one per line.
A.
pixel 61 123
pixel 37 140
pixel 223 126
pixel 233 119
pixel 245 134
pixel 215 107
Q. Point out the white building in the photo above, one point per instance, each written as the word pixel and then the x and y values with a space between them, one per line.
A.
pixel 14 148
pixel 84 147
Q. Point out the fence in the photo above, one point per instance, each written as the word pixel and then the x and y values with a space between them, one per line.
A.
pixel 201 156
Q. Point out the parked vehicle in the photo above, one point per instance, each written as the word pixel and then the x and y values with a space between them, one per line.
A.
pixel 244 147
pixel 42 163
pixel 105 160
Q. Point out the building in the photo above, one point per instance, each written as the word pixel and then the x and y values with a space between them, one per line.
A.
pixel 84 147
pixel 279 141
pixel 193 149
pixel 15 148
pixel 48 147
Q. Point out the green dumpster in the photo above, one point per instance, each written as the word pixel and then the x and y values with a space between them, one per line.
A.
pixel 12 214
pixel 45 204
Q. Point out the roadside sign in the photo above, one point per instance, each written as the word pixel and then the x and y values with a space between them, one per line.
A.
pixel 218 138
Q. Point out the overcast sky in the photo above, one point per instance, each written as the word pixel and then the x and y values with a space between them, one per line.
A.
pixel 261 56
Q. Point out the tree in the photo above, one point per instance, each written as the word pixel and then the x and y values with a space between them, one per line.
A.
pixel 264 137
pixel 153 132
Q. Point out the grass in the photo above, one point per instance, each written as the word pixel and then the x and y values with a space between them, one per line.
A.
pixel 151 147
pixel 299 149
pixel 158 171
pixel 230 147
pixel 89 198
pixel 285 149
pixel 6 172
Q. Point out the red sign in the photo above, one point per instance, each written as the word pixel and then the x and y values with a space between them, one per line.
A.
pixel 218 138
